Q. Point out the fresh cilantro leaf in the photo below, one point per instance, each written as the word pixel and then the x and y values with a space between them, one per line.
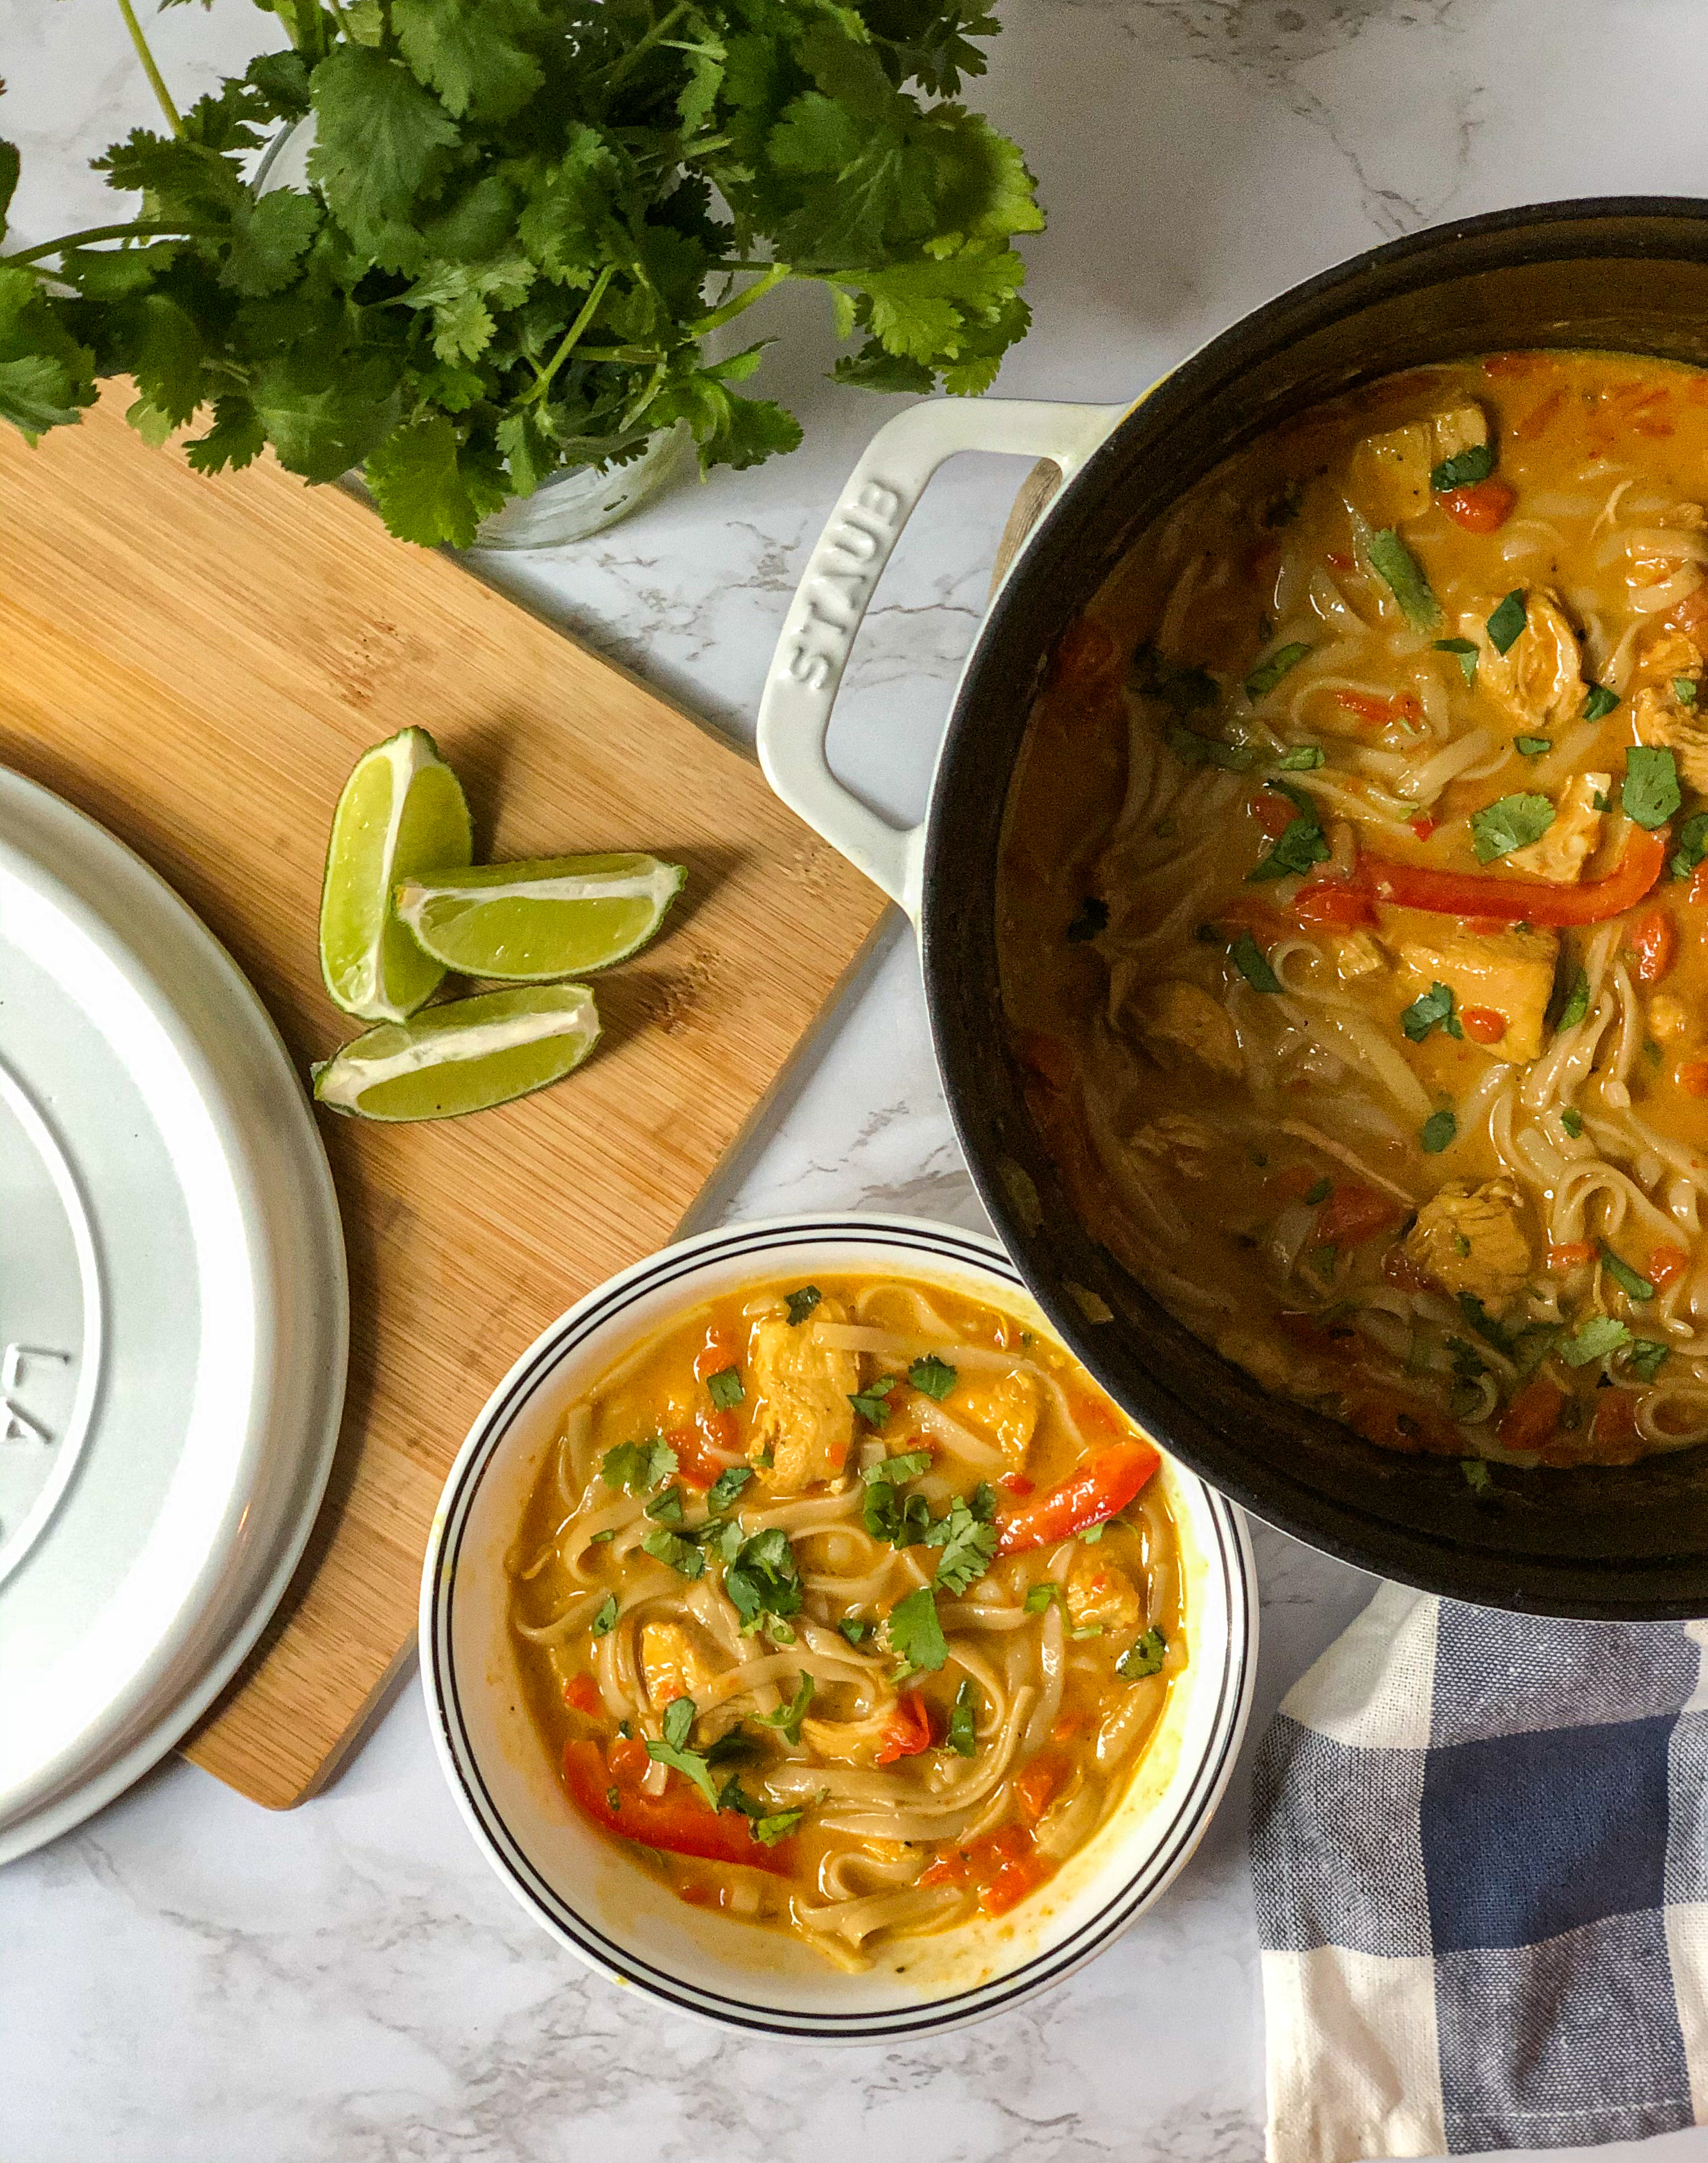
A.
pixel 720 1540
pixel 1647 1356
pixel 1437 1133
pixel 1599 801
pixel 1577 1004
pixel 1599 703
pixel 1318 1191
pixel 672 1748
pixel 983 1502
pixel 726 1388
pixel 1144 1657
pixel 1465 468
pixel 1250 960
pixel 764 1580
pixel 236 439
pixel 788 1717
pixel 777 1824
pixel 1268 672
pixel 666 1509
pixel 381 139
pixel 1465 651
pixel 1532 748
pixel 934 1377
pixel 969 1549
pixel 720 1495
pixel 683 1556
pixel 1402 575
pixel 1507 624
pixel 801 1303
pixel 855 1628
pixel 636 1466
pixel 913 1633
pixel 1300 758
pixel 1650 792
pixel 1512 822
pixel 475 53
pixel 1693 844
pixel 1302 842
pixel 1091 917
pixel 1040 1596
pixel 1685 691
pixel 1628 1281
pixel 270 239
pixel 894 1471
pixel 1599 1335
pixel 429 487
pixel 604 1621
pixel 1572 1120
pixel 961 1735
pixel 870 1402
pixel 1433 1009
pixel 1477 1476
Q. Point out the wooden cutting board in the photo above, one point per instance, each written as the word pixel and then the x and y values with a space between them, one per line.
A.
pixel 197 663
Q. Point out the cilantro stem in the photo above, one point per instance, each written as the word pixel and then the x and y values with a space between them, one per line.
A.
pixel 157 81
pixel 588 311
pixel 730 309
pixel 667 22
pixel 141 229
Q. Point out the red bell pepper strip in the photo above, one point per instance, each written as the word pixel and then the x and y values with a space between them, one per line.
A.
pixel 907 1732
pixel 1104 1485
pixel 678 1820
pixel 1518 900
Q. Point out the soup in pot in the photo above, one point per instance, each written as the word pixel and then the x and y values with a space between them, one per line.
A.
pixel 1352 906
pixel 848 1608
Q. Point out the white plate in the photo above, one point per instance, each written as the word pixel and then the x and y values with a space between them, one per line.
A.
pixel 173 1317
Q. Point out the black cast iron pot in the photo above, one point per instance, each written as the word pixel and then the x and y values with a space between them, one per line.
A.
pixel 1628 274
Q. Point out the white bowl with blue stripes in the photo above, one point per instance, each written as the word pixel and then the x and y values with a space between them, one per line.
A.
pixel 612 1913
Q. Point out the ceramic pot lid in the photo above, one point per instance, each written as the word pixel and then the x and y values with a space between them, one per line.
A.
pixel 173 1317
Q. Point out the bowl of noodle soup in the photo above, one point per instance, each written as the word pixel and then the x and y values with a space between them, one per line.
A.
pixel 810 1644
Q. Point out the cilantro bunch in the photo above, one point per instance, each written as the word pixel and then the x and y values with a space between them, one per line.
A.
pixel 524 218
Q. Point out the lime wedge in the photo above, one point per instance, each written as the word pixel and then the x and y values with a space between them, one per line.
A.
pixel 462 1056
pixel 402 811
pixel 551 916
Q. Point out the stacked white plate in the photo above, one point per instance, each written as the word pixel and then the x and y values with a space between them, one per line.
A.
pixel 173 1317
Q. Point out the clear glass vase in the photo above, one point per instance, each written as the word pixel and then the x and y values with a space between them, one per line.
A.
pixel 569 506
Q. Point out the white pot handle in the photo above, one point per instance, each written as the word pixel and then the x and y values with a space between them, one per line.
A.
pixel 824 616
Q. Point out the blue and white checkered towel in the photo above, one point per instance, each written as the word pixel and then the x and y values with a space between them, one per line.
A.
pixel 1480 1843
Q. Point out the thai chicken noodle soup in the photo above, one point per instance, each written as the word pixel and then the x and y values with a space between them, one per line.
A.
pixel 848 1608
pixel 1353 901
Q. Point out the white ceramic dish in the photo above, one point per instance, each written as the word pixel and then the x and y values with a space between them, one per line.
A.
pixel 581 1889
pixel 173 1317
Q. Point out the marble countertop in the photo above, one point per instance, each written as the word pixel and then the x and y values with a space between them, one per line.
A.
pixel 190 1977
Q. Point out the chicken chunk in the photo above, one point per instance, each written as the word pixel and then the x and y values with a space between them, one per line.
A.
pixel 1509 972
pixel 1538 681
pixel 1665 652
pixel 1391 471
pixel 1177 1139
pixel 1661 717
pixel 802 1421
pixel 674 1662
pixel 1100 1594
pixel 849 1741
pixel 1005 1405
pixel 1180 1025
pixel 1575 833
pixel 1668 1018
pixel 1472 1240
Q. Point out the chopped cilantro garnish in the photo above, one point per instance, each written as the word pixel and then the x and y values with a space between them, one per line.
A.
pixel 800 1304
pixel 1465 651
pixel 1693 844
pixel 1301 758
pixel 1091 917
pixel 1302 842
pixel 1433 1009
pixel 1599 1335
pixel 1465 468
pixel 1318 1191
pixel 1250 960
pixel 1572 1120
pixel 634 1466
pixel 599 1539
pixel 1403 575
pixel 890 1471
pixel 1477 1476
pixel 721 1539
pixel 725 1389
pixel 1437 1132
pixel 720 1495
pixel 1599 703
pixel 1577 1004
pixel 1512 822
pixel 777 1824
pixel 1040 1596
pixel 1507 622
pixel 1628 1281
pixel 788 1718
pixel 683 1556
pixel 734 1745
pixel 1530 747
pixel 606 1620
pixel 1600 801
pixel 764 1578
pixel 855 1628
pixel 1650 794
pixel 1647 1356
pixel 1192 749
pixel 1093 1533
pixel 933 1377
pixel 1144 1657
pixel 1268 674
pixel 1685 691
pixel 962 1735
pixel 969 1548
pixel 914 1634
pixel 1182 690
pixel 870 1402
pixel 666 1509
pixel 674 1752
pixel 1285 505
